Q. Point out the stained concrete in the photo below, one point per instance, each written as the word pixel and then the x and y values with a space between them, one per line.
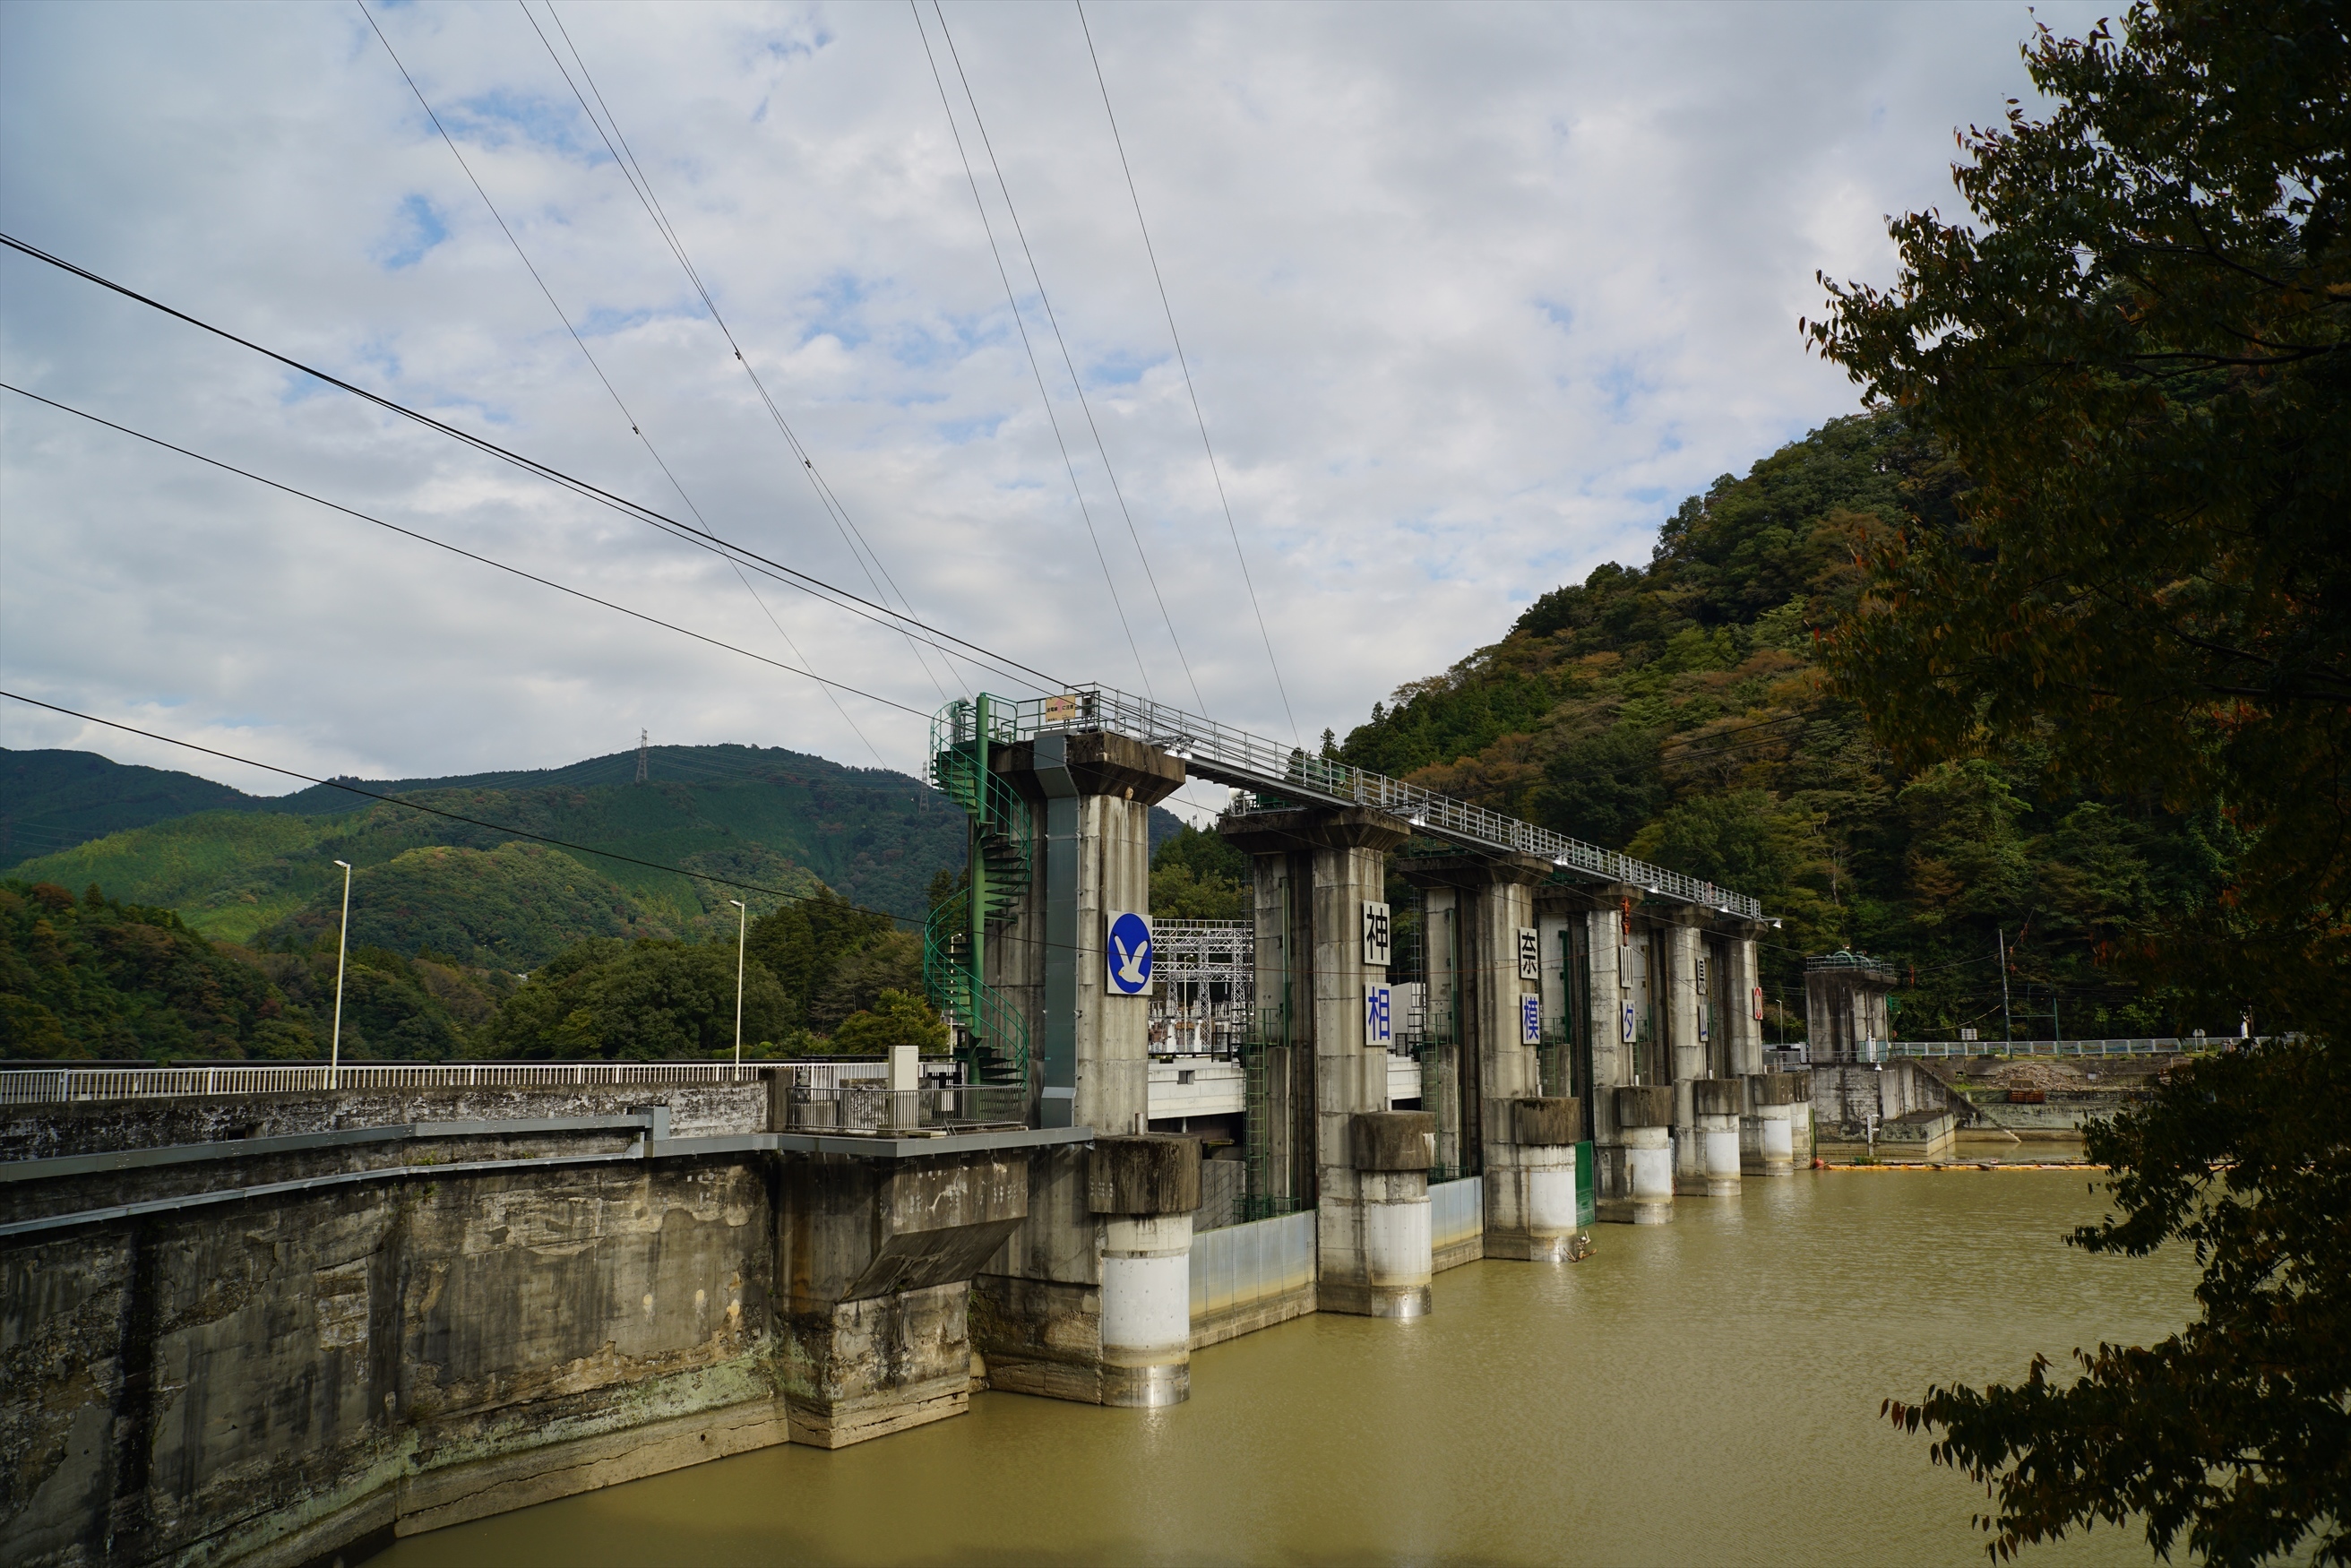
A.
pixel 288 1375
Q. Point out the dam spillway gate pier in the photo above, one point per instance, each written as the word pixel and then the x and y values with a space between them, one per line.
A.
pixel 276 1327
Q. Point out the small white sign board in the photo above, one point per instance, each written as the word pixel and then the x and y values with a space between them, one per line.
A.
pixel 1379 1018
pixel 1530 1020
pixel 1529 954
pixel 1376 934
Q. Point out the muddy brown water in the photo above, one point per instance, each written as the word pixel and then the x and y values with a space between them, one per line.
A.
pixel 1704 1391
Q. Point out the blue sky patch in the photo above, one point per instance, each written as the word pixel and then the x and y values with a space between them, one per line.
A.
pixel 1123 368
pixel 978 427
pixel 497 119
pixel 416 228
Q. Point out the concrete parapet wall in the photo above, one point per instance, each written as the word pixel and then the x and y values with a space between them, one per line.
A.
pixel 36 1132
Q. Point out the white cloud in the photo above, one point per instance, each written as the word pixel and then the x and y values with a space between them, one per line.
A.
pixel 1473 297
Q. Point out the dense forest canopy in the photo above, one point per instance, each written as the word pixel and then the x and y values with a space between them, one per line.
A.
pixel 1680 710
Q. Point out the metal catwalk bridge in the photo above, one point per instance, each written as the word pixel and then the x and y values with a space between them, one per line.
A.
pixel 1278 775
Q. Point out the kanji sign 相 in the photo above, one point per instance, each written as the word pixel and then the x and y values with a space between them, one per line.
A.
pixel 1379 1018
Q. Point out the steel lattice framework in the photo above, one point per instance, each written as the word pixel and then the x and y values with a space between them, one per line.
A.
pixel 1204 973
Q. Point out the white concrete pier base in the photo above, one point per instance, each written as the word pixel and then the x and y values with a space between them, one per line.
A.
pixel 1719 1103
pixel 1146 1309
pixel 1645 1115
pixel 1648 1151
pixel 1782 1101
pixel 1375 1239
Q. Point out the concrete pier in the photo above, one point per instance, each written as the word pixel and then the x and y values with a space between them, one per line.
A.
pixel 1774 1096
pixel 1720 1104
pixel 1383 1269
pixel 1497 977
pixel 1332 1141
pixel 1144 1189
pixel 1684 1027
pixel 1609 1020
pixel 1645 1115
pixel 1534 1193
pixel 874 1263
pixel 1040 1309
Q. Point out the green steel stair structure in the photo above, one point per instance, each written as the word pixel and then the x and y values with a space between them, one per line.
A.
pixel 1003 854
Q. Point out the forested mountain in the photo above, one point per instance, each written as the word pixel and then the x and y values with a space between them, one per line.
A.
pixel 259 873
pixel 215 935
pixel 1675 710
pixel 52 800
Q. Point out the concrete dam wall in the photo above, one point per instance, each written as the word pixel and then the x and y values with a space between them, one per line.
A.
pixel 301 1368
pixel 272 1329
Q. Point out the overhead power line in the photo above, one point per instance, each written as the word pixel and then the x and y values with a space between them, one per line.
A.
pixel 454 549
pixel 624 157
pixel 1021 324
pixel 972 653
pixel 1185 365
pixel 635 428
pixel 1077 384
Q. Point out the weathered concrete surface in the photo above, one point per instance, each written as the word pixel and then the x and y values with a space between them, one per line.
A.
pixel 1553 1121
pixel 49 1130
pixel 1152 1173
pixel 1036 1304
pixel 287 1375
pixel 1393 1140
pixel 283 1375
pixel 1645 1105
pixel 875 1260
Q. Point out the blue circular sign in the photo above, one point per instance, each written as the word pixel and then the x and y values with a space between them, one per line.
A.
pixel 1130 955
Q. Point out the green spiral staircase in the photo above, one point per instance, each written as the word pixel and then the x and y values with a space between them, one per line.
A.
pixel 1003 850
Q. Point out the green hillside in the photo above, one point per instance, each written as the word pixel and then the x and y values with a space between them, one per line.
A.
pixel 1675 710
pixel 52 800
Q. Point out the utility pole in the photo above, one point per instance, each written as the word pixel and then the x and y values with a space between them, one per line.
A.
pixel 1999 939
pixel 742 925
pixel 342 947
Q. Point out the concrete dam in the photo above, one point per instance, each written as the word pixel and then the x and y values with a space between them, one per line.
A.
pixel 267 1325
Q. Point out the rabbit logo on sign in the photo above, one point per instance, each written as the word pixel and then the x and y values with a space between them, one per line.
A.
pixel 1130 955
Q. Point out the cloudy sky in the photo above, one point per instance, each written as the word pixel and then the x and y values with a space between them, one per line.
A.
pixel 1472 297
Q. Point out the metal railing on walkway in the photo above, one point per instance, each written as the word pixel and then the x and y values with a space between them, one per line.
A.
pixel 1889 1050
pixel 41 1085
pixel 1267 767
pixel 871 1106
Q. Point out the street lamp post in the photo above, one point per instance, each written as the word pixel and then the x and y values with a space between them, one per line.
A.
pixel 742 924
pixel 342 947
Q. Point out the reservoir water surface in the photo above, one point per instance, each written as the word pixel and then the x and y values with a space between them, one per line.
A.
pixel 1704 1392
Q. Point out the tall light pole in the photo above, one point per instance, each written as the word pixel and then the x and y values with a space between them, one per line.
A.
pixel 742 924
pixel 342 947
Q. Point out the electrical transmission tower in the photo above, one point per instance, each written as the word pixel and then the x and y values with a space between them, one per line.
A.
pixel 642 738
